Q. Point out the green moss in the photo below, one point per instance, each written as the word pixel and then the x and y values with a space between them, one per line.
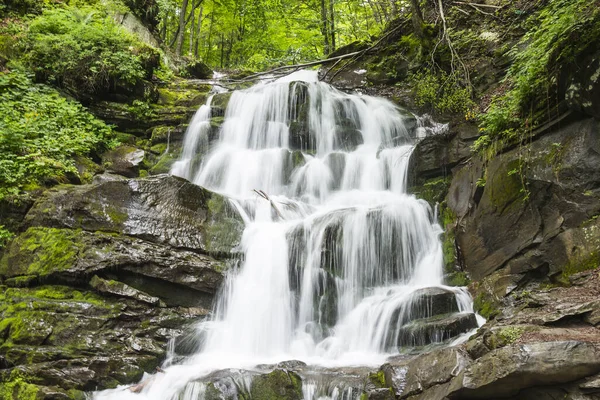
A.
pixel 378 379
pixel 216 122
pixel 221 100
pixel 457 279
pixel 18 389
pixel 223 229
pixel 164 163
pixel 485 306
pixel 585 263
pixel 160 134
pixel 434 190
pixel 507 185
pixel 21 281
pixel 159 148
pixel 442 93
pixel 178 96
pixel 277 385
pixel 41 251
pixel 116 214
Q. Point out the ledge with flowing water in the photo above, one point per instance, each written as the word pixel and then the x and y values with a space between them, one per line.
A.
pixel 341 267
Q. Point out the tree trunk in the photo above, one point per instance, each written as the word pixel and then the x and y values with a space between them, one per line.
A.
pixel 417 18
pixel 198 32
pixel 325 28
pixel 210 29
pixel 163 29
pixel 192 31
pixel 222 49
pixel 332 23
pixel 184 5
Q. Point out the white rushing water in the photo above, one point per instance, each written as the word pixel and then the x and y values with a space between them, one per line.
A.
pixel 335 262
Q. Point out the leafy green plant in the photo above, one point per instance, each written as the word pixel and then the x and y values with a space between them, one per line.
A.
pixel 441 92
pixel 84 51
pixel 40 133
pixel 5 236
pixel 557 35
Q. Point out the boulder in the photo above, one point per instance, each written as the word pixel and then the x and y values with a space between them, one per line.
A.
pixel 437 153
pixel 124 160
pixel 415 375
pixel 277 385
pixel 74 257
pixel 199 70
pixel 437 329
pixel 62 339
pixel 160 209
pixel 504 372
pixel 428 302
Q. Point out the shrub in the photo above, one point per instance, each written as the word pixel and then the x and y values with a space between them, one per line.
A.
pixel 84 51
pixel 441 92
pixel 40 133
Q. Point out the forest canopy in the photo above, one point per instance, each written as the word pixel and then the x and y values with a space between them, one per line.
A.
pixel 259 33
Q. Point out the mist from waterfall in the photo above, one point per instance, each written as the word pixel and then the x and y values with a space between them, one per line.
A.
pixel 336 253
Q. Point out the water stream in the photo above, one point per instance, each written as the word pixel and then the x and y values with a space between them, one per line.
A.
pixel 338 260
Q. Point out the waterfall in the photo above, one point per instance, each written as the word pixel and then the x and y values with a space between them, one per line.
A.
pixel 339 261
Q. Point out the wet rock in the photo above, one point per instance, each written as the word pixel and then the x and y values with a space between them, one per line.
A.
pixel 435 329
pixel 437 154
pixel 591 384
pixel 506 371
pixel 197 69
pixel 161 209
pixel 89 342
pixel 124 160
pixel 219 104
pixel 413 376
pixel 177 277
pixel 433 301
pixel 122 290
pixel 291 364
pixel 554 192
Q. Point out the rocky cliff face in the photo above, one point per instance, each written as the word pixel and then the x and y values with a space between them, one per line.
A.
pixel 103 276
pixel 525 231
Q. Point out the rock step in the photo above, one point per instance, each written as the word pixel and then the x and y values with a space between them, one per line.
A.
pixel 435 329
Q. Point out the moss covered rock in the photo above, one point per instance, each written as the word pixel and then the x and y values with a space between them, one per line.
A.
pixel 161 209
pixel 277 385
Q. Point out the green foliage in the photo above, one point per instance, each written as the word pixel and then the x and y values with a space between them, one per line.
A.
pixel 485 306
pixel 557 35
pixel 441 92
pixel 5 236
pixel 84 51
pixel 261 34
pixel 40 133
pixel 16 388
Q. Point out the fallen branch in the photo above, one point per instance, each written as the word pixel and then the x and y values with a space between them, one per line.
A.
pixel 294 67
pixel 481 11
pixel 477 4
pixel 462 11
pixel 266 197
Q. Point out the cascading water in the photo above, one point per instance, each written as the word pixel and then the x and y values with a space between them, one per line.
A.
pixel 338 260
